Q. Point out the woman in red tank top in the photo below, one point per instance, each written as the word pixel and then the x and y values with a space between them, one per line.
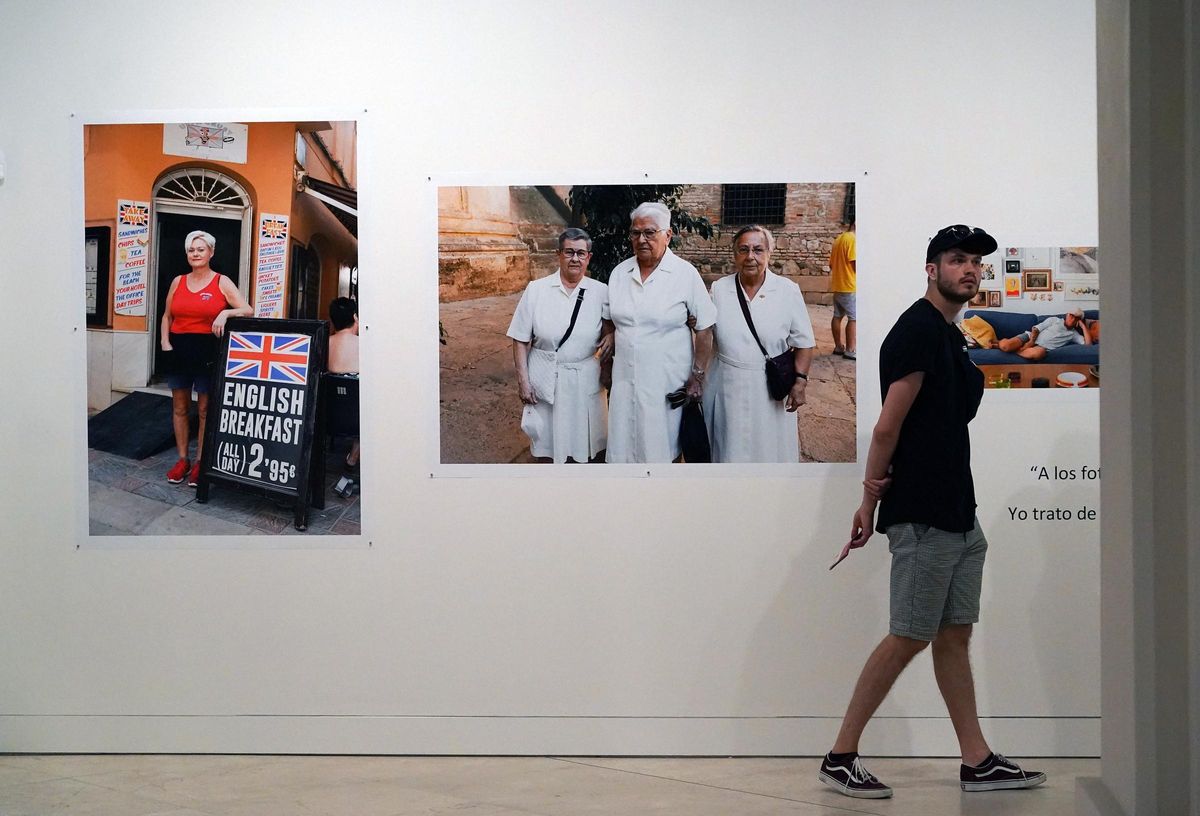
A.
pixel 198 304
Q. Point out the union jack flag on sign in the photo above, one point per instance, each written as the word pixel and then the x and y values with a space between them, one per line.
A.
pixel 269 357
pixel 274 228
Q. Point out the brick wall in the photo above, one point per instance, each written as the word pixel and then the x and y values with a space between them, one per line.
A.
pixel 812 220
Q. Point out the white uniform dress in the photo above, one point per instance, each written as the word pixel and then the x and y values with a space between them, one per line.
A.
pixel 653 355
pixel 575 425
pixel 744 423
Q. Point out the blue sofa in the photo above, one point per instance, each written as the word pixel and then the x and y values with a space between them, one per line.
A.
pixel 1010 324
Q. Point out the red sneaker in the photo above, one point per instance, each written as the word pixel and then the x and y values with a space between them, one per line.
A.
pixel 175 474
pixel 194 475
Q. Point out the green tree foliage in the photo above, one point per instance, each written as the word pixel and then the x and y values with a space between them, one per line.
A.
pixel 603 210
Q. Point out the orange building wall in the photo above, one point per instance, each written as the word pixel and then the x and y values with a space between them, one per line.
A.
pixel 312 224
pixel 124 161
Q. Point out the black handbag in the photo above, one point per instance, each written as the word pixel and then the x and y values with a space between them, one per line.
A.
pixel 781 369
pixel 693 434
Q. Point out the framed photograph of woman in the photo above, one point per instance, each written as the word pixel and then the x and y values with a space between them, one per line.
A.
pixel 980 301
pixel 1037 280
pixel 995 300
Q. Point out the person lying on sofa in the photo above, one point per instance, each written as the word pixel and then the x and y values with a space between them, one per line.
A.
pixel 1051 333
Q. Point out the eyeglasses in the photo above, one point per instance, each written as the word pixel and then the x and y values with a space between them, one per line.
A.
pixel 648 234
pixel 575 253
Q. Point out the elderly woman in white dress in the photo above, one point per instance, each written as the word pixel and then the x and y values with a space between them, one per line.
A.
pixel 651 297
pixel 560 336
pixel 744 423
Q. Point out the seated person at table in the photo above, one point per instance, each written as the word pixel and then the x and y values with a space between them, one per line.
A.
pixel 343 350
pixel 1051 333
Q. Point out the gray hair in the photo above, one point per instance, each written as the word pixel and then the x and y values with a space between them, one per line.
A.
pixel 766 234
pixel 655 210
pixel 574 234
pixel 202 235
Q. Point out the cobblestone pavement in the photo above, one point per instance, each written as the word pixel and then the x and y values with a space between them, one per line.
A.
pixel 131 497
pixel 481 413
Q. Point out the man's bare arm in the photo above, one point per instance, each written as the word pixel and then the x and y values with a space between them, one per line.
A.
pixel 900 397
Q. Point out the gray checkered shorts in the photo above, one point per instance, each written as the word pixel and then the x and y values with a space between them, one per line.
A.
pixel 844 304
pixel 936 578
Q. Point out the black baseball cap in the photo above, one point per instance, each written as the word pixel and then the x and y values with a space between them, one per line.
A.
pixel 960 236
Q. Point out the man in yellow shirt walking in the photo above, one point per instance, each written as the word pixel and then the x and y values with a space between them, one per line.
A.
pixel 843 283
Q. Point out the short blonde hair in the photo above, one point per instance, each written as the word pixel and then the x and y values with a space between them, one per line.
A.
pixel 202 235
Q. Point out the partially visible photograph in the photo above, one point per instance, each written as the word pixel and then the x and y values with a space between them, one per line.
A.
pixel 648 323
pixel 210 243
pixel 1077 261
pixel 1034 332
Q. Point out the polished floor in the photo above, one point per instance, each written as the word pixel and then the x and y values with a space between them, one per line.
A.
pixel 123 785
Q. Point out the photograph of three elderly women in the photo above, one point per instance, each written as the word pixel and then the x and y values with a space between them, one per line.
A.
pixel 601 371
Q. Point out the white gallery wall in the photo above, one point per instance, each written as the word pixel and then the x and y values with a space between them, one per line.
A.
pixel 583 615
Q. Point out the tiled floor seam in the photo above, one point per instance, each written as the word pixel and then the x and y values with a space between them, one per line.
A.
pixel 167 804
pixel 836 808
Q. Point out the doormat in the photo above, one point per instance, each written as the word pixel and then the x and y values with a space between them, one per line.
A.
pixel 137 426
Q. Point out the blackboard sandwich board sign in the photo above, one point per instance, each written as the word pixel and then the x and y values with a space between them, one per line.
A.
pixel 262 412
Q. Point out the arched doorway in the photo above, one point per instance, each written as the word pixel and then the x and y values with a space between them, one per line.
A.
pixel 198 198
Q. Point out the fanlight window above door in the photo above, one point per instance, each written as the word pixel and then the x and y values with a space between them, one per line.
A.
pixel 201 186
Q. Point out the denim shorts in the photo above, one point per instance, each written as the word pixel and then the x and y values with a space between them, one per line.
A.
pixel 843 304
pixel 936 578
pixel 200 383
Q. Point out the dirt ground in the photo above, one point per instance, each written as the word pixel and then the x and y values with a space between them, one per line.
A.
pixel 481 413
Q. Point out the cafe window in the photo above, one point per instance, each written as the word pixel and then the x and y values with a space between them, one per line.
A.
pixel 96 263
pixel 753 203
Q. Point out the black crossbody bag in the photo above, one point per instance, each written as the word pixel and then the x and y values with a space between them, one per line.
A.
pixel 781 369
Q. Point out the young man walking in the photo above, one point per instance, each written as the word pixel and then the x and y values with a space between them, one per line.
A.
pixel 920 461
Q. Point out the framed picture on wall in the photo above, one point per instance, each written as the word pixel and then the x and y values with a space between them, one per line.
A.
pixel 482 280
pixel 1014 252
pixel 1082 291
pixel 1012 286
pixel 994 299
pixel 1058 286
pixel 980 301
pixel 1077 261
pixel 987 272
pixel 1012 267
pixel 1037 280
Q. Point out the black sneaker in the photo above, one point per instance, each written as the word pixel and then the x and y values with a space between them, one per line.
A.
pixel 849 778
pixel 998 773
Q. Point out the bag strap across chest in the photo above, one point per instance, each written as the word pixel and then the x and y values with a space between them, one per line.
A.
pixel 746 312
pixel 574 316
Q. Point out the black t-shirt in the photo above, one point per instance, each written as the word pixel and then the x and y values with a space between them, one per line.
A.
pixel 931 468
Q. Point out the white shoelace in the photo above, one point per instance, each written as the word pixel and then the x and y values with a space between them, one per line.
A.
pixel 1009 765
pixel 860 774
pixel 1003 764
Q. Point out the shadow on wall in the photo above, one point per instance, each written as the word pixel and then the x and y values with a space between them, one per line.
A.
pixel 796 662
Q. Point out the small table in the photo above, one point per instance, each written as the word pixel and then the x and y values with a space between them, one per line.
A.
pixel 1031 370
